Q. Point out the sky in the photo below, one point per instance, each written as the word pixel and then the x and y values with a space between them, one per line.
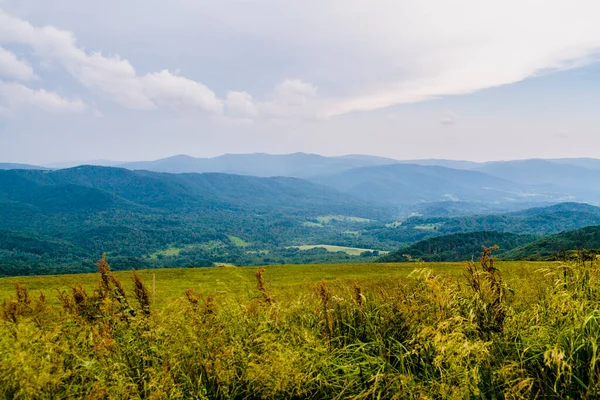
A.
pixel 407 79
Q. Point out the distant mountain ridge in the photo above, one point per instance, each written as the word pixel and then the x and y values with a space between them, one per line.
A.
pixel 6 166
pixel 411 183
pixel 387 181
pixel 298 165
pixel 237 163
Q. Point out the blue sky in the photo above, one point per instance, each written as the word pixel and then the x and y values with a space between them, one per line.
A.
pixel 82 80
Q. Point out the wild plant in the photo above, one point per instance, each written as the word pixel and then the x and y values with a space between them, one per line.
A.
pixel 261 286
pixel 141 293
pixel 23 306
pixel 489 291
pixel 325 297
pixel 427 335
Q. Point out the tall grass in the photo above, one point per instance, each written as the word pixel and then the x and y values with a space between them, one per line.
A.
pixel 535 333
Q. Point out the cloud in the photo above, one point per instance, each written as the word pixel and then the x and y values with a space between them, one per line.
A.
pixel 240 104
pixel 15 96
pixel 362 55
pixel 111 76
pixel 12 67
pixel 430 48
pixel 291 98
pixel 164 88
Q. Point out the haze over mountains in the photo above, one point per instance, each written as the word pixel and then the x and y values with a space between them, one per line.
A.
pixel 401 182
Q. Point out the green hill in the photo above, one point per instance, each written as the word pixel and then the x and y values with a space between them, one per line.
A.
pixel 142 217
pixel 558 246
pixel 457 247
pixel 540 221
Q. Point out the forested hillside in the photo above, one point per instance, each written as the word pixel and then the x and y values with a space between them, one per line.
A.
pixel 143 218
pixel 60 220
pixel 458 247
pixel 559 246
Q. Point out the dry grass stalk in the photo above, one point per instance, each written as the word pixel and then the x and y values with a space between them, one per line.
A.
pixel 192 298
pixel 325 297
pixel 358 296
pixel 141 293
pixel 23 305
pixel 104 270
pixel 489 301
pixel 262 287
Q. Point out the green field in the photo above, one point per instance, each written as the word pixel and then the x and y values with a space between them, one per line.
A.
pixel 238 241
pixel 175 251
pixel 326 219
pixel 171 283
pixel 400 331
pixel 353 251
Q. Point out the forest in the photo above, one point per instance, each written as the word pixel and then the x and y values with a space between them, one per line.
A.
pixel 60 221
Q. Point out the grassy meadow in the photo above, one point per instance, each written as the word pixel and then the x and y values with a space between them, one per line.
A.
pixel 400 331
pixel 352 251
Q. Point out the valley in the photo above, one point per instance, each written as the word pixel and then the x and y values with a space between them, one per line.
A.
pixel 60 220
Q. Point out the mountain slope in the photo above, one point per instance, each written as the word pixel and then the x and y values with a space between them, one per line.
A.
pixel 185 191
pixel 19 166
pixel 263 165
pixel 589 163
pixel 537 221
pixel 556 246
pixel 409 184
pixel 138 217
pixel 580 209
pixel 435 162
pixel 457 247
pixel 540 221
pixel 544 172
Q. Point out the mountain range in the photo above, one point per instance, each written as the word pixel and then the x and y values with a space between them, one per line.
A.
pixel 60 220
pixel 502 185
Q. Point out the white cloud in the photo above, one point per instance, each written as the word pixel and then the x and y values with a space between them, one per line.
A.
pixel 294 92
pixel 430 48
pixel 15 96
pixel 362 55
pixel 12 67
pixel 291 99
pixel 240 104
pixel 179 92
pixel 111 76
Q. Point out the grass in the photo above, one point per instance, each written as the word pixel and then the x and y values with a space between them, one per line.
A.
pixel 427 227
pixel 326 219
pixel 213 244
pixel 238 241
pixel 310 224
pixel 171 283
pixel 353 251
pixel 505 330
pixel 394 224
